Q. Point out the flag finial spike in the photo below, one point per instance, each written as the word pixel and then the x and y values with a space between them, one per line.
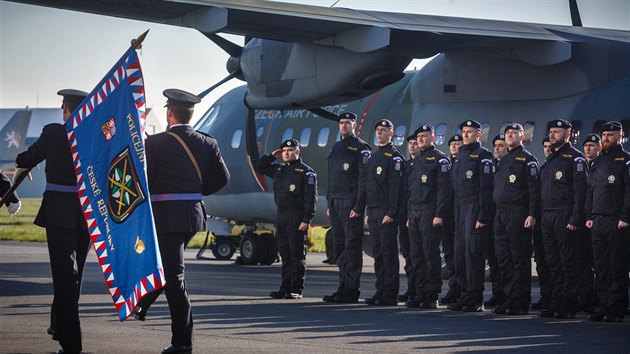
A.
pixel 137 42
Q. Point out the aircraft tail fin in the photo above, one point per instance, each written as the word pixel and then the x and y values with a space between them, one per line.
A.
pixel 13 135
pixel 576 19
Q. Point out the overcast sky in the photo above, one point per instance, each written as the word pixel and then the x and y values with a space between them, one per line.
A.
pixel 43 50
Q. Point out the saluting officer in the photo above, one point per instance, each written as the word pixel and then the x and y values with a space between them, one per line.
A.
pixel 448 233
pixel 563 178
pixel 429 192
pixel 182 165
pixel 472 185
pixel 61 214
pixel 381 188
pixel 295 194
pixel 517 199
pixel 346 163
pixel 13 204
pixel 608 209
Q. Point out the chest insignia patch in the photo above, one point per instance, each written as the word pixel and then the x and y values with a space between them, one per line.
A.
pixel 611 179
pixel 424 178
pixel 469 174
pixel 559 175
pixel 346 166
pixel 292 188
pixel 512 178
pixel 379 169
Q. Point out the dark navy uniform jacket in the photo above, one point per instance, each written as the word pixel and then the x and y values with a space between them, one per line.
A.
pixel 472 177
pixel 294 185
pixel 345 165
pixel 382 185
pixel 563 178
pixel 608 190
pixel 171 171
pixel 517 183
pixel 58 209
pixel 429 182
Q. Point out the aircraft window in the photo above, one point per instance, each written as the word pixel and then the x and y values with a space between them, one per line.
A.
pixel 399 135
pixel 625 124
pixel 375 142
pixel 598 125
pixel 338 135
pixel 322 138
pixel 305 137
pixel 575 131
pixel 440 134
pixel 236 138
pixel 260 131
pixel 505 124
pixel 204 124
pixel 485 131
pixel 288 134
pixel 529 132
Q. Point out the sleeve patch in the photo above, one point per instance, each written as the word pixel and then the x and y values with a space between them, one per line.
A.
pixel 311 177
pixel 446 165
pixel 579 164
pixel 487 166
pixel 533 168
pixel 397 163
pixel 628 164
pixel 366 155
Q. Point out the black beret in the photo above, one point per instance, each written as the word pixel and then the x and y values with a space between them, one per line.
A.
pixel 293 143
pixel 72 96
pixel 559 123
pixel 348 115
pixel 384 123
pixel 412 137
pixel 180 98
pixel 515 126
pixel 470 123
pixel 545 140
pixel 423 128
pixel 592 138
pixel 455 137
pixel 613 126
pixel 498 137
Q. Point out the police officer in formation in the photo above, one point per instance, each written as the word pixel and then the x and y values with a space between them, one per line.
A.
pixel 381 189
pixel 428 195
pixel 608 217
pixel 517 199
pixel 295 194
pixel 472 179
pixel 346 164
pixel 563 178
pixel 66 231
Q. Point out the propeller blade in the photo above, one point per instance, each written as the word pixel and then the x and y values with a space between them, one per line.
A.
pixel 224 80
pixel 231 48
pixel 576 20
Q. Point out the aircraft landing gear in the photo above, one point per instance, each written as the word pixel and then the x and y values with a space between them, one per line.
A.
pixel 257 249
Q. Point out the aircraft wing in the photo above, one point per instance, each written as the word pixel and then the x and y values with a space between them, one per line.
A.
pixel 356 30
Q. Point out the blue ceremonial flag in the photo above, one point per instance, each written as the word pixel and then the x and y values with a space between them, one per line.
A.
pixel 106 136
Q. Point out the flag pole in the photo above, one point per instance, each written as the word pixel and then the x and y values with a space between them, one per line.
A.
pixel 20 175
pixel 136 43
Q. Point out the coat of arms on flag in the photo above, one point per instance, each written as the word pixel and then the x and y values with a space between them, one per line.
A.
pixel 106 136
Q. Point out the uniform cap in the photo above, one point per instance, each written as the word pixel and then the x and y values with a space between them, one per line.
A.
pixel 72 95
pixel 180 98
pixel 498 137
pixel 515 126
pixel 613 126
pixel 423 128
pixel 348 115
pixel 470 123
pixel 545 140
pixel 455 137
pixel 412 137
pixel 384 123
pixel 293 143
pixel 559 123
pixel 592 138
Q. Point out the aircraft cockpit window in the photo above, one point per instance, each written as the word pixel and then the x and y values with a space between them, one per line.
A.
pixel 288 134
pixel 260 131
pixel 485 131
pixel 399 135
pixel 322 137
pixel 440 134
pixel 205 122
pixel 338 135
pixel 529 132
pixel 575 131
pixel 305 137
pixel 236 138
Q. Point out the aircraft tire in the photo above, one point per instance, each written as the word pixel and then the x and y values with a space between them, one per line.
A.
pixel 250 249
pixel 271 248
pixel 223 249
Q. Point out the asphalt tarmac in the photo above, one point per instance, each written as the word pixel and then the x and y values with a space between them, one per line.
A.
pixel 233 314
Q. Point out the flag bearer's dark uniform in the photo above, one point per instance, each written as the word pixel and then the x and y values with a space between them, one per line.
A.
pixel 472 178
pixel 516 196
pixel 563 180
pixel 608 203
pixel 295 194
pixel 346 163
pixel 382 190
pixel 429 191
pixel 66 231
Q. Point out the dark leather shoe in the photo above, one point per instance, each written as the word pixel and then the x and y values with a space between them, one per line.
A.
pixel 139 314
pixel 493 301
pixel 277 294
pixel 515 311
pixel 413 303
pixel 429 305
pixel 455 306
pixel 563 315
pixel 596 317
pixel 449 298
pixel 329 298
pixel 51 332
pixel 346 299
pixel 371 300
pixel 547 313
pixel 386 302
pixel 499 309
pixel 473 308
pixel 612 317
pixel 183 349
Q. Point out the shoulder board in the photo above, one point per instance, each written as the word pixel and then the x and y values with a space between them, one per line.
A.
pixel 429 158
pixel 520 159
pixel 474 156
pixel 299 170
pixel 388 154
pixel 353 148
pixel 569 156
pixel 620 159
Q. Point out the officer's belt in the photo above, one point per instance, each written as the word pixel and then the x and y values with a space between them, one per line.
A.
pixel 61 188
pixel 175 196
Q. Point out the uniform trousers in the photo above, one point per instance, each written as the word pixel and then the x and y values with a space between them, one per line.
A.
pixel 513 246
pixel 425 253
pixel 610 250
pixel 498 284
pixel 544 277
pixel 560 255
pixel 292 249
pixel 585 269
pixel 348 245
pixel 448 248
pixel 405 250
pixel 383 238
pixel 67 249
pixel 470 250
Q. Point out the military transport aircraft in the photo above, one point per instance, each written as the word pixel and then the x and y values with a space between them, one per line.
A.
pixel 305 64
